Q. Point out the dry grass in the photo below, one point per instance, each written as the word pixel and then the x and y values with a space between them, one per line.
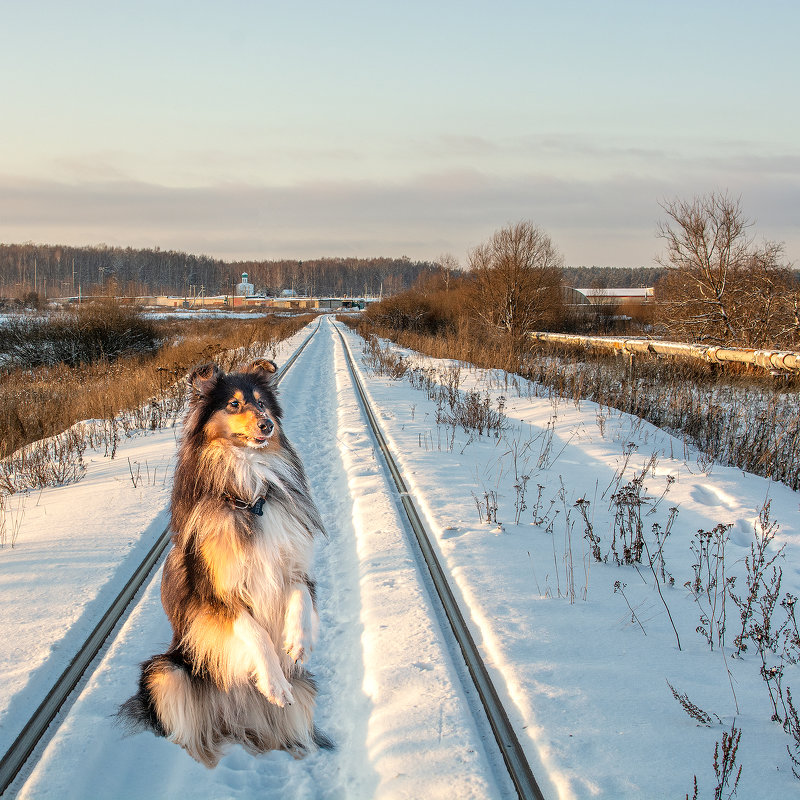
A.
pixel 104 330
pixel 455 407
pixel 735 416
pixel 46 401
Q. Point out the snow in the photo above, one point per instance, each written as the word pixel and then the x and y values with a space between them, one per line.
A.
pixel 203 313
pixel 76 547
pixel 584 686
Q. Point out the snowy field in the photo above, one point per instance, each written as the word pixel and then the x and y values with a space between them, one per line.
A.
pixel 199 313
pixel 202 313
pixel 582 667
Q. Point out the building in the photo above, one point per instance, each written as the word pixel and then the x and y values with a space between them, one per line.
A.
pixel 617 297
pixel 245 288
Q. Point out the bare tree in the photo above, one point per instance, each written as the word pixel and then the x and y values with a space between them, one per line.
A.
pixel 771 294
pixel 721 287
pixel 448 264
pixel 517 279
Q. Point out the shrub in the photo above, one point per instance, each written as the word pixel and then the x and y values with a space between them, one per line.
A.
pixel 46 400
pixel 92 332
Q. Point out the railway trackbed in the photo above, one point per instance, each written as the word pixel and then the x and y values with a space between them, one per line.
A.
pixel 487 715
pixel 504 734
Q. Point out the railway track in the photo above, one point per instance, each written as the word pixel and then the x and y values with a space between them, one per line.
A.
pixel 22 753
pixel 504 734
pixel 23 746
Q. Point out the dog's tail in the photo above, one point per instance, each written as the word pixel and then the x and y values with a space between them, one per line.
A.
pixel 194 713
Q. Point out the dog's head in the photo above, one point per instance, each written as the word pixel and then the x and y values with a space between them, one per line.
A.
pixel 238 407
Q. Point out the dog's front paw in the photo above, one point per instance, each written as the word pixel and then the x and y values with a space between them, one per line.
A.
pixel 298 652
pixel 298 642
pixel 275 688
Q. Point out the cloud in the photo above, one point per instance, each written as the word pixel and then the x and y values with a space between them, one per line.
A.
pixel 609 220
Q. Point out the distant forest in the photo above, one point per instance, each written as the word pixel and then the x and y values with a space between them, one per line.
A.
pixel 611 277
pixel 56 271
pixel 61 271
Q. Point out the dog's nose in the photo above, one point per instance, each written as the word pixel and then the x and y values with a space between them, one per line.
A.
pixel 266 425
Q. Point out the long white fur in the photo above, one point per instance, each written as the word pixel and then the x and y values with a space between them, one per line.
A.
pixel 259 658
pixel 299 629
pixel 268 579
pixel 256 655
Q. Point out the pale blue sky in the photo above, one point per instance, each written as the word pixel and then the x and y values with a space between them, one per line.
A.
pixel 245 129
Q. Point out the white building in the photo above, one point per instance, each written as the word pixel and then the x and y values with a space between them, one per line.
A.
pixel 600 297
pixel 245 288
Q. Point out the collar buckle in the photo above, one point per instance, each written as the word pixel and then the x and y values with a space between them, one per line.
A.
pixel 256 508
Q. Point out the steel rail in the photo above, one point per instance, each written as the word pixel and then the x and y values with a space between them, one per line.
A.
pixel 18 753
pixel 510 748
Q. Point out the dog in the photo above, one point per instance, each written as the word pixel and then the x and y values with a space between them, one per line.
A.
pixel 236 585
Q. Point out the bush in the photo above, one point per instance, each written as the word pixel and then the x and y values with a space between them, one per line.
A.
pixel 410 311
pixel 46 400
pixel 93 332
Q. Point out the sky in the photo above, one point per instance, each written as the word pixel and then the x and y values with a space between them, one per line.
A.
pixel 298 130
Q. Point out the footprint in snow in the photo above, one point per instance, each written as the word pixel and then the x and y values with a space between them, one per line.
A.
pixel 742 532
pixel 709 496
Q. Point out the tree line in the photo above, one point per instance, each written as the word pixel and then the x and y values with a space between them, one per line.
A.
pixel 719 284
pixel 63 271
pixel 716 285
pixel 611 277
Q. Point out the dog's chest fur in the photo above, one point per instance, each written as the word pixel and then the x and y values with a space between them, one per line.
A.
pixel 280 549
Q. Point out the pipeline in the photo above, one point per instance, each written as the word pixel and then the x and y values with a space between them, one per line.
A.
pixel 778 361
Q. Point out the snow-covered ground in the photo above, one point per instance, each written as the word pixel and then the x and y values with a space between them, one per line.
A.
pixel 584 682
pixel 203 313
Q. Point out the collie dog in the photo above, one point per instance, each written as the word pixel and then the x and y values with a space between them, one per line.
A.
pixel 236 585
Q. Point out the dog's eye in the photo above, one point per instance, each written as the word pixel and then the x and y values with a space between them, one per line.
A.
pixel 234 404
pixel 260 404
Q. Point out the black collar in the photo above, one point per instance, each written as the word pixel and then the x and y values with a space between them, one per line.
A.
pixel 256 508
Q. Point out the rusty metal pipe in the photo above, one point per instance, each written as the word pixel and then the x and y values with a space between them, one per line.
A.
pixel 774 360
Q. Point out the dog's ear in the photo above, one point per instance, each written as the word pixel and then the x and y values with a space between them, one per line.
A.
pixel 263 368
pixel 203 379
